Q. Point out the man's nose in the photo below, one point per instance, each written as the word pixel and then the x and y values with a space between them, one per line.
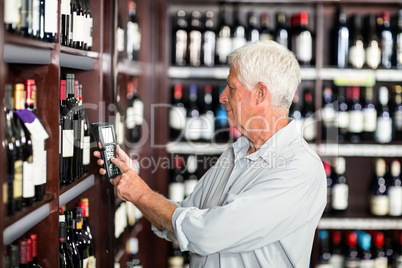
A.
pixel 223 97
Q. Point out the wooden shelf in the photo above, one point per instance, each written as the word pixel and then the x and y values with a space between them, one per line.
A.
pixel 76 61
pixel 16 39
pixel 20 222
pixel 133 68
pixel 16 53
pixel 361 223
pixel 73 190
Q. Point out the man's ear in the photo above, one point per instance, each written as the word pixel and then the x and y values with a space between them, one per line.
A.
pixel 262 93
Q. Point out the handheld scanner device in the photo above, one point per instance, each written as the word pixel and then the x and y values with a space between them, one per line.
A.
pixel 106 140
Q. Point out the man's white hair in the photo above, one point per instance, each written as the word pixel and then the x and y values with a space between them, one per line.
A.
pixel 271 63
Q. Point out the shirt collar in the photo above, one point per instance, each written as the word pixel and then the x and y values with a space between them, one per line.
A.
pixel 271 148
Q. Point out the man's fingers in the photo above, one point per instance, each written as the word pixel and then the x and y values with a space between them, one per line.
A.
pixel 97 154
pixel 120 164
pixel 100 162
pixel 102 171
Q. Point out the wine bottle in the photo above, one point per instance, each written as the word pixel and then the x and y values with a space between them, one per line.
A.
pixel 324 254
pixel 265 31
pixel 70 239
pixel 224 42
pixel 12 15
pixel 179 40
pixel 386 40
pixel 337 250
pixel 397 112
pixel 85 144
pixel 132 249
pixel 327 168
pixel 309 123
pixel 352 258
pixel 253 33
pixel 190 178
pixel 372 47
pixel 379 255
pixel 29 253
pixel 120 38
pixel 28 188
pixel 328 116
pixel 302 39
pixel 366 256
pixel 34 238
pixel 379 199
pixel 177 114
pixel 11 151
pixel 295 112
pixel 342 115
pixel 13 253
pixel 133 33
pixel 357 52
pixel 356 115
pixel 79 237
pixel 134 113
pixel 207 115
pixel 50 21
pixel 77 127
pixel 78 25
pixel 383 133
pixel 84 25
pixel 87 232
pixel 238 32
pixel 36 19
pixel 221 122
pixel 369 114
pixel 341 40
pixel 23 252
pixel 340 187
pixel 65 260
pixel 282 35
pixel 195 39
pixel 395 189
pixel 26 18
pixel 39 145
pixel 209 40
pixel 67 133
pixel 90 25
pixel 65 22
pixel 193 121
pixel 398 41
pixel 176 189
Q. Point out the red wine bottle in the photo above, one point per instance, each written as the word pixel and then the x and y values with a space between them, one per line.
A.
pixel 302 39
pixel 177 114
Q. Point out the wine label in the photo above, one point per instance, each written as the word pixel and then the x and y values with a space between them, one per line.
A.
pixel 357 55
pixel 181 47
pixel 366 264
pixel 80 21
pixel 5 193
pixel 65 7
pixel 43 178
pixel 328 115
pixel 340 196
pixel 38 148
pixel 11 11
pixel 28 187
pixel 223 48
pixel 74 26
pixel 398 120
pixel 68 143
pixel 120 39
pixel 373 54
pixel 380 262
pixel 395 200
pixel 370 120
pixel 177 118
pixel 195 48
pixel 90 26
pixel 309 128
pixel 357 120
pixel 383 133
pixel 176 191
pixel 17 186
pixel 193 130
pixel 91 262
pixel 35 16
pixel 87 150
pixel 352 263
pixel 304 46
pixel 138 111
pixel 337 261
pixel 379 205
pixel 209 48
pixel 343 119
pixel 51 16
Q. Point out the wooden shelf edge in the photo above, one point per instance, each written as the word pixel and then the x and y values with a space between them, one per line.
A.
pixel 13 38
pixel 79 52
pixel 69 193
pixel 79 62
pixel 26 55
pixel 133 68
pixel 360 223
pixel 22 225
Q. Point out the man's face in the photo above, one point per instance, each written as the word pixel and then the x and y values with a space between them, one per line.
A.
pixel 238 101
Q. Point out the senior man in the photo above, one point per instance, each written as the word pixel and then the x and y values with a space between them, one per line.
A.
pixel 260 204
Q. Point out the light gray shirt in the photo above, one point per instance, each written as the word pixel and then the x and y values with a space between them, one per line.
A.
pixel 256 210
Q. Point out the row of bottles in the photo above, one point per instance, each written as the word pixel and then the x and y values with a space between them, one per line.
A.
pixel 76 243
pixel 25 147
pixel 128 36
pixel 76 24
pixel 126 215
pixel 351 114
pixel 197 39
pixel 23 252
pixel 74 127
pixel 359 248
pixel 32 18
pixel 128 120
pixel 370 41
pixel 384 191
pixel 196 115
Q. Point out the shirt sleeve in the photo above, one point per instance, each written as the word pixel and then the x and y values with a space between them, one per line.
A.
pixel 271 208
